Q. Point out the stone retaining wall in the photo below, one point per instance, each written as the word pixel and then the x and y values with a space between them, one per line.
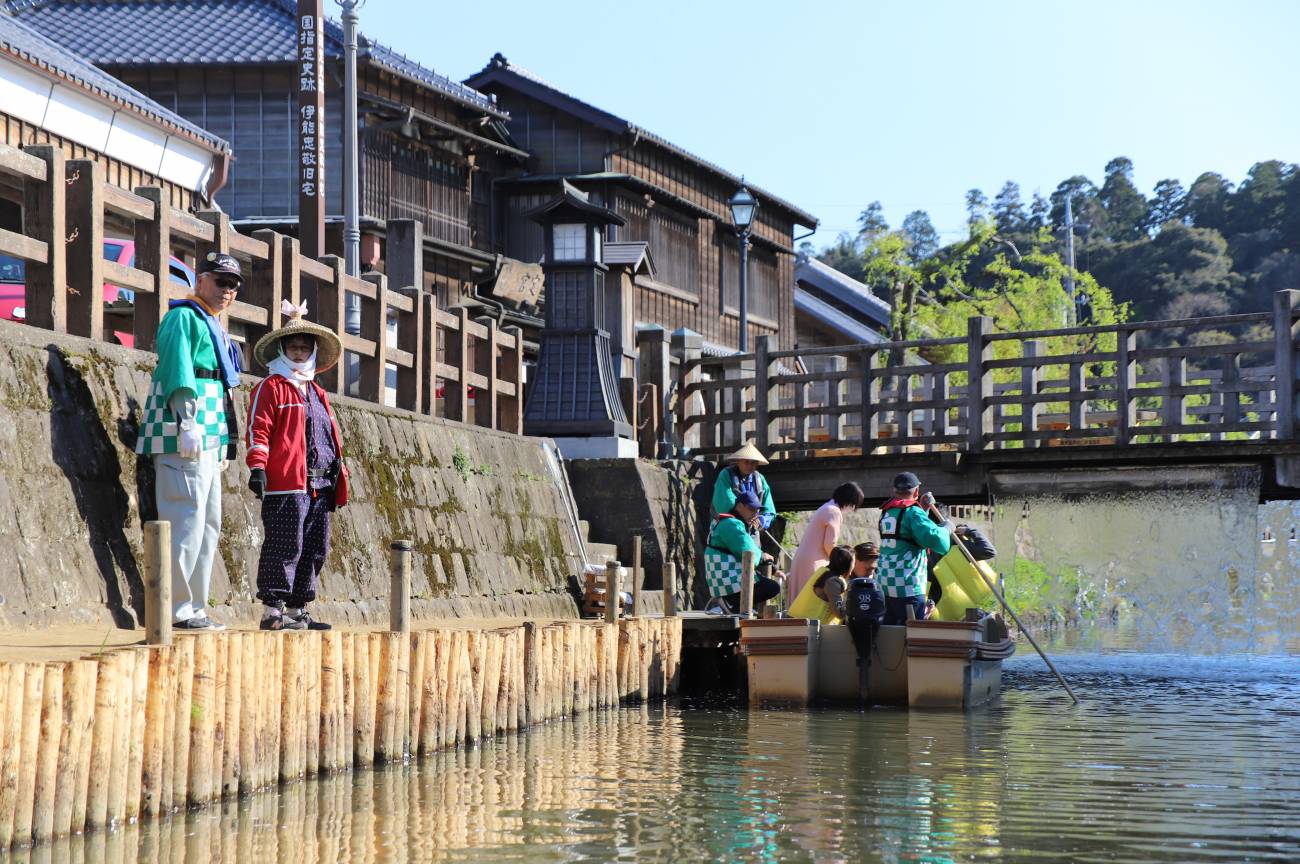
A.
pixel 488 512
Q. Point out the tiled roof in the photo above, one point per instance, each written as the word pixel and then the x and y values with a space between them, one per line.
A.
pixel 499 65
pixel 834 318
pixel 22 41
pixel 631 253
pixel 843 288
pixel 142 32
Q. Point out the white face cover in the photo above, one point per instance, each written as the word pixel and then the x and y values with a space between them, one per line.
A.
pixel 298 372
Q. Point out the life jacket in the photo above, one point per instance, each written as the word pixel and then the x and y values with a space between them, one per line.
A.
pixel 903 504
pixel 715 525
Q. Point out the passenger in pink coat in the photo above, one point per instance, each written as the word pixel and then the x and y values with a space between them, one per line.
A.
pixel 821 536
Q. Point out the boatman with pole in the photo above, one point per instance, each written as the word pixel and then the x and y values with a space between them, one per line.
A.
pixel 906 533
pixel 187 427
pixel 741 475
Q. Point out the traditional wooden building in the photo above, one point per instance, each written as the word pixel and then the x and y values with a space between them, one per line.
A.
pixel 430 147
pixel 832 308
pixel 668 198
pixel 50 95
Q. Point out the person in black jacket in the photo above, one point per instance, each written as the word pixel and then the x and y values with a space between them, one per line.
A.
pixel 980 547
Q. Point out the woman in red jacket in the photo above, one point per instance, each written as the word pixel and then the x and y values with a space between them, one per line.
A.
pixel 295 457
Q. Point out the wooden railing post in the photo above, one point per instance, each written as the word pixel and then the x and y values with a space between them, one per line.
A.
pixel 153 256
pixel 85 264
pixel 654 366
pixel 330 301
pixel 510 369
pixel 1030 377
pixel 264 285
pixel 627 394
pixel 1125 384
pixel 1172 408
pixel 979 381
pixel 404 266
pixel 456 393
pixel 870 420
pixel 158 583
pixel 648 430
pixel 293 284
pixel 763 391
pixel 44 212
pixel 1284 361
pixel 834 398
pixel 485 399
pixel 399 586
pixel 636 575
pixel 687 346
pixel 373 379
pixel 428 351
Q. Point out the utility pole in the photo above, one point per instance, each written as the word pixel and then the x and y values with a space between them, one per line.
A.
pixel 1070 313
pixel 351 227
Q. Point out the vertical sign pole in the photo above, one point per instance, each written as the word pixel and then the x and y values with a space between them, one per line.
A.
pixel 311 128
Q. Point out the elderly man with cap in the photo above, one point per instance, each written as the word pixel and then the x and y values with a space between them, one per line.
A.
pixel 906 533
pixel 741 475
pixel 729 540
pixel 188 429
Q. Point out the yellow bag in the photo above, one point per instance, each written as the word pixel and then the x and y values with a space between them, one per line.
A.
pixel 963 588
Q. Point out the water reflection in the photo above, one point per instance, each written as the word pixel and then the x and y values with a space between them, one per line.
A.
pixel 1167 759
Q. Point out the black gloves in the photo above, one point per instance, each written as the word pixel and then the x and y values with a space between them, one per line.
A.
pixel 257 482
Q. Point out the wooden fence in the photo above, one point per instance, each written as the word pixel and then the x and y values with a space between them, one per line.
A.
pixel 1199 379
pixel 69 208
pixel 141 732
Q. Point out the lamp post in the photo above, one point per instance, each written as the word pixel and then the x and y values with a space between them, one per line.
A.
pixel 351 226
pixel 743 207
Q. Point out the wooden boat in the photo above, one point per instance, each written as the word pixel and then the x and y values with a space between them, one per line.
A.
pixel 927 664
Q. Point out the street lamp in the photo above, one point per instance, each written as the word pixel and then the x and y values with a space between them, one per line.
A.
pixel 351 225
pixel 743 207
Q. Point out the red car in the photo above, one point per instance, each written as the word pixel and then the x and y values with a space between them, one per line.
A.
pixel 13 281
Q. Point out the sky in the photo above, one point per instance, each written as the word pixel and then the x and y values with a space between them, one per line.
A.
pixel 833 105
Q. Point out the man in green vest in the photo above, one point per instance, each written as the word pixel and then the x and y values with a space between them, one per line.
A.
pixel 741 475
pixel 906 533
pixel 728 541
pixel 185 428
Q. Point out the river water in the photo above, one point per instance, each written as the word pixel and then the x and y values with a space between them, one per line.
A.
pixel 1167 759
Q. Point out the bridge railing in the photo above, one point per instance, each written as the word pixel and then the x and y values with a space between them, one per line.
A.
pixel 1187 380
pixel 409 353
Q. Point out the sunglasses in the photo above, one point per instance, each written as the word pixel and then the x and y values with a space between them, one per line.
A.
pixel 228 284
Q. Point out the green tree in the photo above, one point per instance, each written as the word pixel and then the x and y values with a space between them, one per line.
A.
pixel 871 221
pixel 1126 209
pixel 977 208
pixel 1206 202
pixel 1039 211
pixel 1152 274
pixel 843 256
pixel 1166 204
pixel 1089 215
pixel 923 240
pixel 1008 211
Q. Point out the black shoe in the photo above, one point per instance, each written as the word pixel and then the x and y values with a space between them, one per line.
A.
pixel 304 618
pixel 277 621
pixel 198 622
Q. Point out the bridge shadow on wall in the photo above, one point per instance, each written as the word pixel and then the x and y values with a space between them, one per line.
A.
pixel 81 447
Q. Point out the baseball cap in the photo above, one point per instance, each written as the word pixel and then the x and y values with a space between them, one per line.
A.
pixel 220 262
pixel 750 499
pixel 906 480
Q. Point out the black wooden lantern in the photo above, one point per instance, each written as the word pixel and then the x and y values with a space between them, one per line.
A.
pixel 574 391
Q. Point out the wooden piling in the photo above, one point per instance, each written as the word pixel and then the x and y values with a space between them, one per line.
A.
pixel 79 684
pixel 330 700
pixel 670 589
pixel 157 705
pixel 12 698
pixel 232 739
pixel 121 745
pixel 158 583
pixel 47 753
pixel 386 687
pixel 33 699
pixel 183 712
pixel 363 749
pixel 202 727
pixel 135 735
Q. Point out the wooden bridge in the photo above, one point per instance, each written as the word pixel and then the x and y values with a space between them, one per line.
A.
pixel 1110 401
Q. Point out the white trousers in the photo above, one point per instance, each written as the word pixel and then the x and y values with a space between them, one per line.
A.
pixel 189 497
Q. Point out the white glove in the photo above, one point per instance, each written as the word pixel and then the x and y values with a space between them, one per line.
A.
pixel 189 442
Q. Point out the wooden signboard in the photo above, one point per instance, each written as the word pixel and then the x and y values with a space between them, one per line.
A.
pixel 311 127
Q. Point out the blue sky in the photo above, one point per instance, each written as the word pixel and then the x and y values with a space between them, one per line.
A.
pixel 835 104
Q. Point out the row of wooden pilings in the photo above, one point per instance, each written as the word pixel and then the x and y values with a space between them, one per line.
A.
pixel 142 731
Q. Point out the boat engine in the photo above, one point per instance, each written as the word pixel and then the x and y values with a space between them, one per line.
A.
pixel 864 610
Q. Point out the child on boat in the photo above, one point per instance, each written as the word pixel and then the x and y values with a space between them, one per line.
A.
pixel 295 459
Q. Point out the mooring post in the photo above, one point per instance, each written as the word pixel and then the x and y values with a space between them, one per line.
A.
pixel 158 583
pixel 611 591
pixel 670 590
pixel 399 586
pixel 747 585
pixel 636 575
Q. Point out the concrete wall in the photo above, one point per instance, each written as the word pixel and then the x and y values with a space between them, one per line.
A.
pixel 623 498
pixel 488 512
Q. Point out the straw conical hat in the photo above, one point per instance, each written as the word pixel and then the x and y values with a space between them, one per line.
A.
pixel 749 451
pixel 328 346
